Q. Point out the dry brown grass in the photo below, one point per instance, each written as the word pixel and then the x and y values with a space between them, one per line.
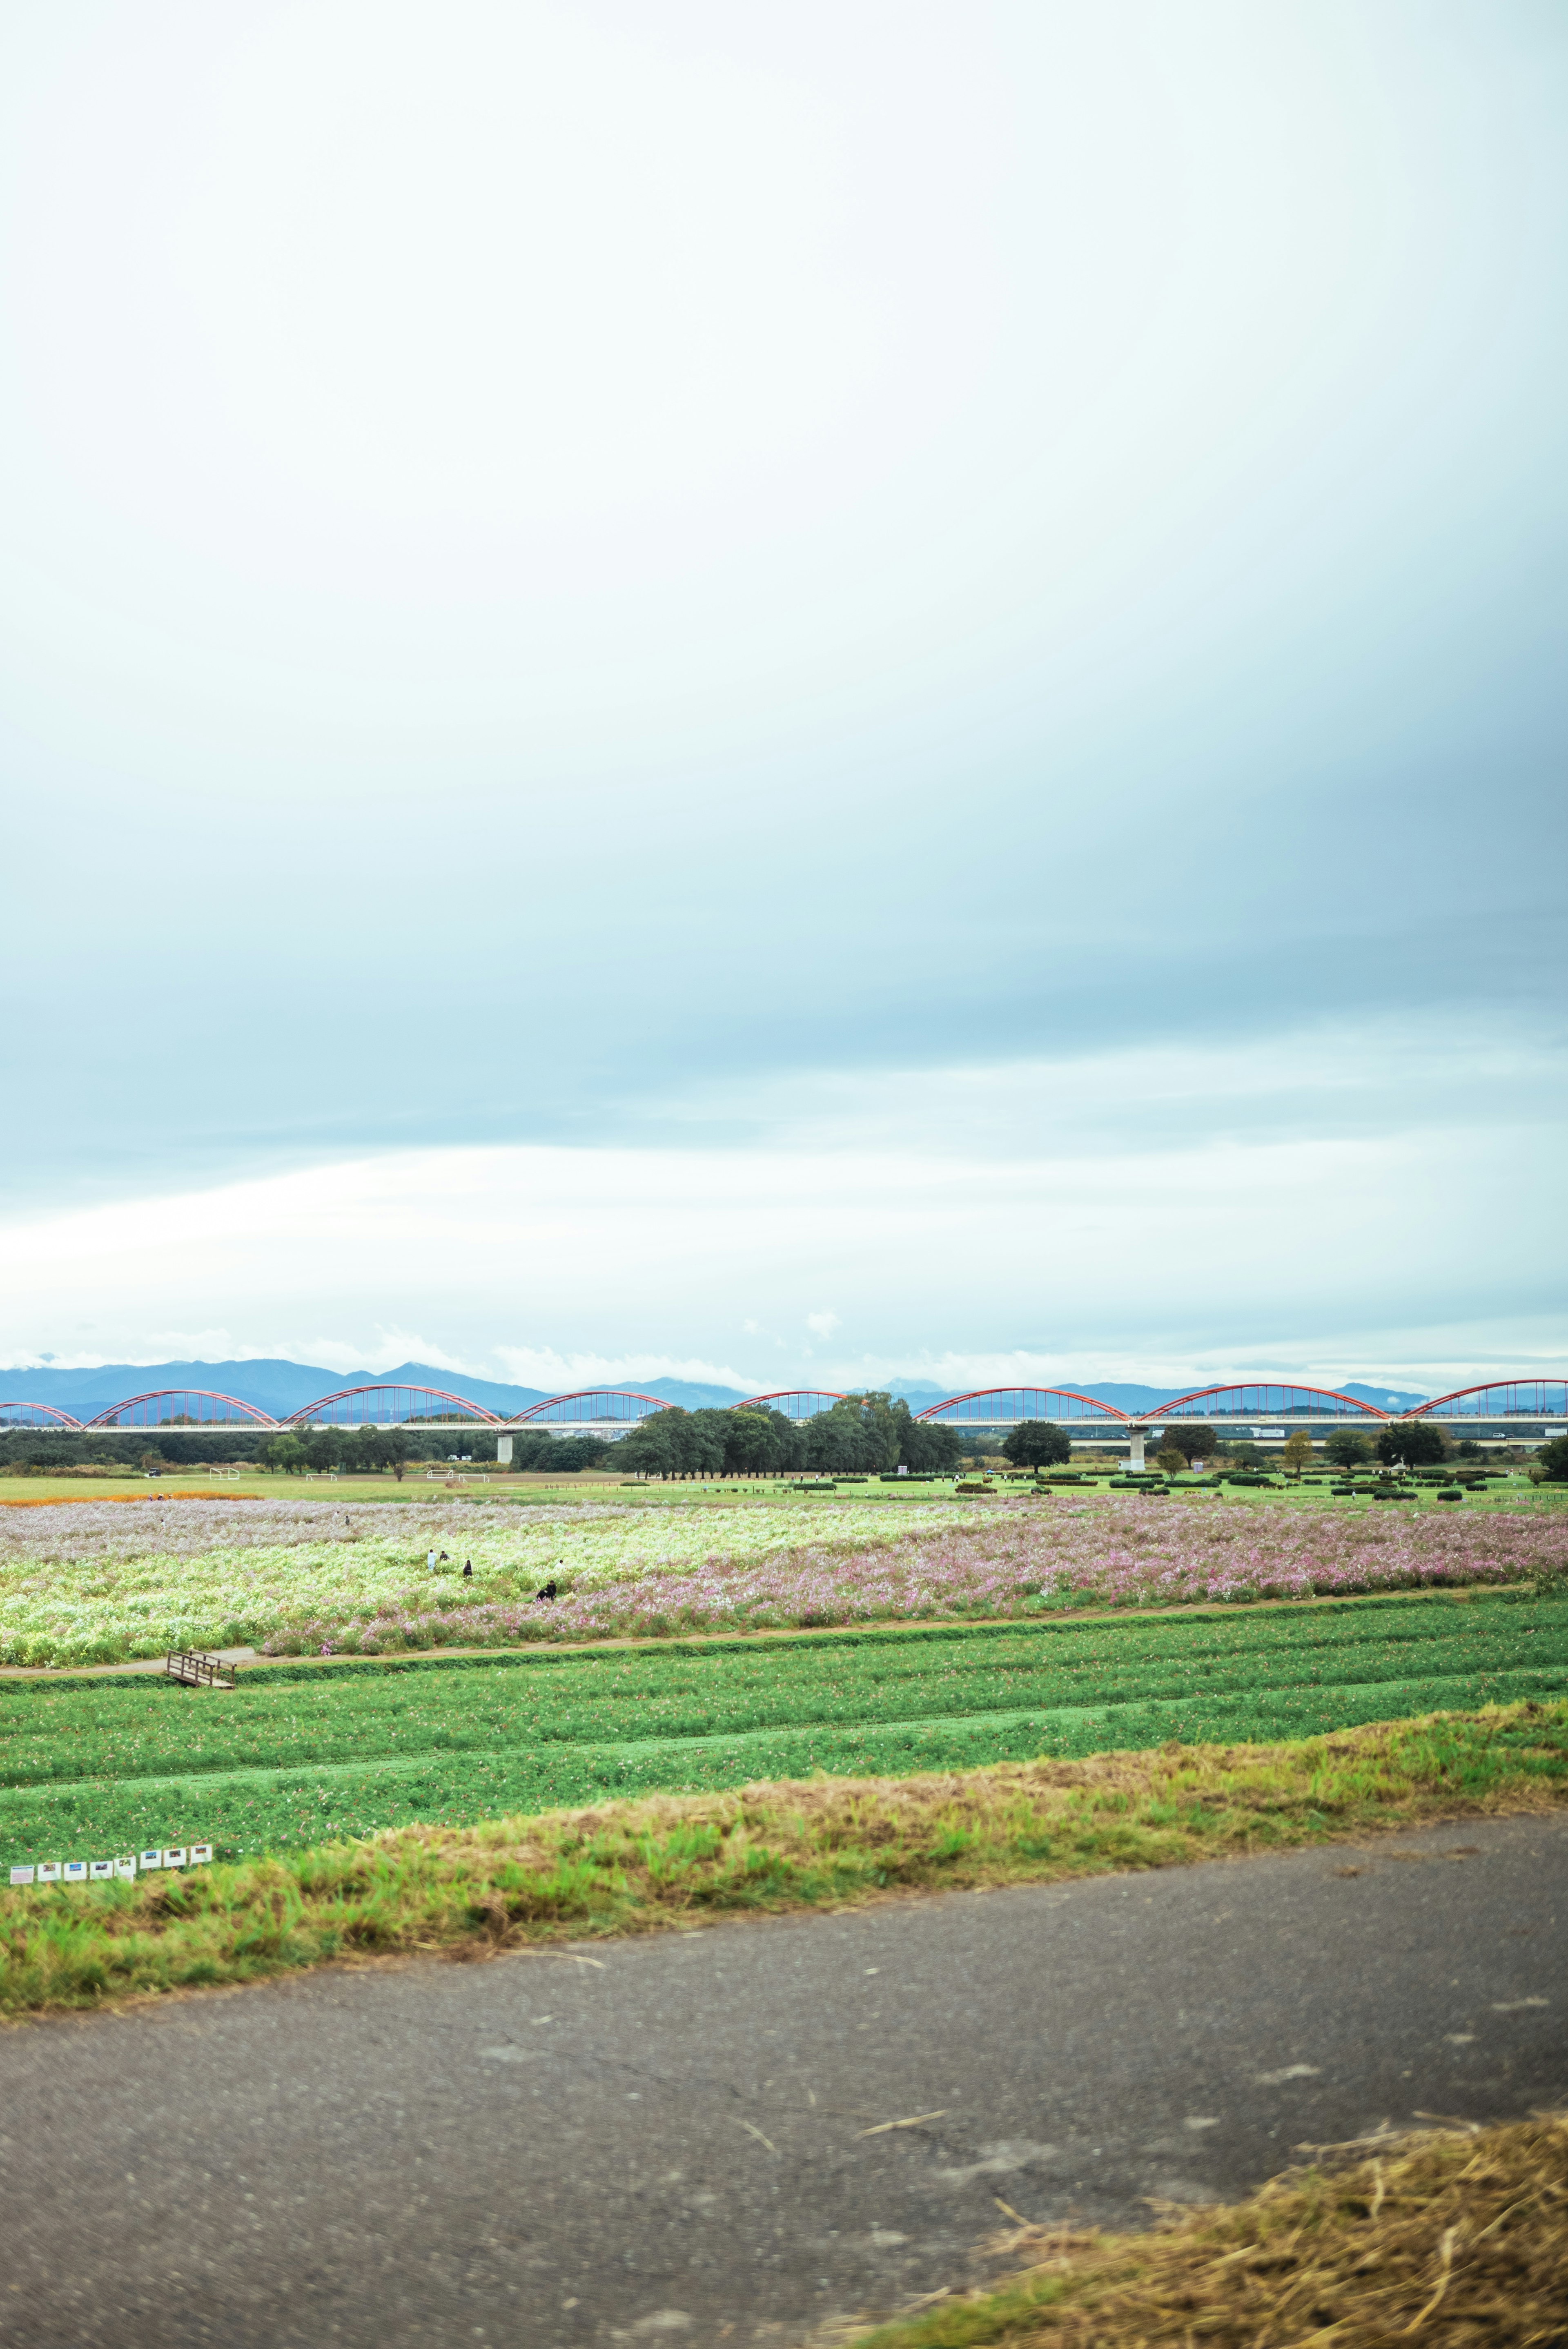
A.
pixel 1452 2239
pixel 96 1500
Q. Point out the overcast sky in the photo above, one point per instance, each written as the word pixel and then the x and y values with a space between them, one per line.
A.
pixel 809 692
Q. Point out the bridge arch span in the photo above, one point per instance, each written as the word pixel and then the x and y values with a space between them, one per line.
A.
pixel 1261 1400
pixel 1499 1398
pixel 1002 1406
pixel 391 1406
pixel 46 1416
pixel 591 1407
pixel 146 1410
pixel 794 1402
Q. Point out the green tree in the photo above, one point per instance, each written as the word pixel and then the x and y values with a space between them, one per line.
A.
pixel 1192 1439
pixel 704 1438
pixel 283 1452
pixel 676 1443
pixel 570 1455
pixel 790 1438
pixel 652 1447
pixel 761 1442
pixel 871 1434
pixel 1171 1459
pixel 749 1443
pixel 1413 1444
pixel 1554 1456
pixel 1347 1449
pixel 839 1442
pixel 531 1449
pixel 926 1444
pixel 894 1437
pixel 1297 1453
pixel 1037 1443
pixel 392 1446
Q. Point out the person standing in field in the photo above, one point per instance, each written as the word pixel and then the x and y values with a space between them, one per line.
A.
pixel 429 1561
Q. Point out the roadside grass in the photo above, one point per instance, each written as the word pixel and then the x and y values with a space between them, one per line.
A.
pixel 1450 2236
pixel 298 1753
pixel 627 1867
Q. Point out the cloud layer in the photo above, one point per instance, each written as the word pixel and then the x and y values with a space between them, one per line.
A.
pixel 1015 1222
pixel 802 687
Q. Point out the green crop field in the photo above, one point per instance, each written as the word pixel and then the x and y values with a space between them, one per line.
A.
pixel 299 1752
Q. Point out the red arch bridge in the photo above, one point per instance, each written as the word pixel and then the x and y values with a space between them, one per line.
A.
pixel 1530 1409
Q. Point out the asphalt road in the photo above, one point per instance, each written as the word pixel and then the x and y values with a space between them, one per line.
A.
pixel 685 2136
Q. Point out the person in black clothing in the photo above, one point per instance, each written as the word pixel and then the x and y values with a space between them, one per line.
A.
pixel 548 1591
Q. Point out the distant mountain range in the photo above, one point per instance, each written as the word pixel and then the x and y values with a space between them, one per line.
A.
pixel 279 1387
pixel 1385 1398
pixel 1134 1399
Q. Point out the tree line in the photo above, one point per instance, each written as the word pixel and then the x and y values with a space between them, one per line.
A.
pixel 862 1434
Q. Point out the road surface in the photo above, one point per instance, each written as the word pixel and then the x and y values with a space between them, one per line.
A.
pixel 685 2137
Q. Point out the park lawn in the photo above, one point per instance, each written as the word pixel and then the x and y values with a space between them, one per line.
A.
pixel 261 1483
pixel 663 1860
pixel 92 1767
pixel 483 1484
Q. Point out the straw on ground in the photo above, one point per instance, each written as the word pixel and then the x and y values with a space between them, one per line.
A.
pixel 1450 2237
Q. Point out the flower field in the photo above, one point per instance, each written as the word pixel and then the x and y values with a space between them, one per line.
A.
pixel 298 1753
pixel 97 1584
pixel 84 1584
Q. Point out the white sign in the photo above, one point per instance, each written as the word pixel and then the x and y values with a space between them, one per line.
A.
pixel 122 1870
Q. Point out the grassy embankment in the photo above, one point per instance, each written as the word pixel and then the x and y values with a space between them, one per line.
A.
pixel 1451 2237
pixel 299 1752
pixel 633 1865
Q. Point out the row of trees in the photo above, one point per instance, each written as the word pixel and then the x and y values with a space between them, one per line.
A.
pixel 40 1448
pixel 361 1451
pixel 366 1451
pixel 1411 1444
pixel 1407 1443
pixel 864 1434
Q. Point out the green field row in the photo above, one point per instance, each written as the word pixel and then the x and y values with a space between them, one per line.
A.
pixel 292 1756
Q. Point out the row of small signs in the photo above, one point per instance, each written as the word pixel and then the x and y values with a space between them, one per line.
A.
pixel 106 1871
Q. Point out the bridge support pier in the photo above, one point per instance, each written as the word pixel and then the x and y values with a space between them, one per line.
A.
pixel 1135 1447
